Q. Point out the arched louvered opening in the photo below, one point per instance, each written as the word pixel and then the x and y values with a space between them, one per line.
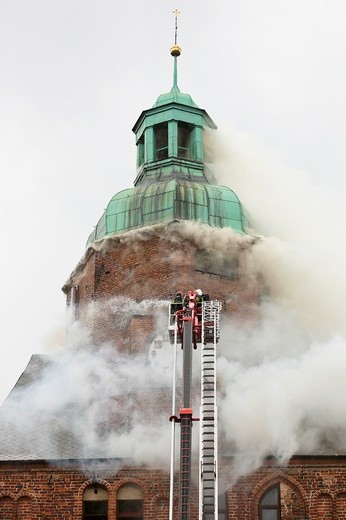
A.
pixel 130 502
pixel 95 503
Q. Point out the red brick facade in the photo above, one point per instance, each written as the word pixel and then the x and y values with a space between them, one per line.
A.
pixel 153 265
pixel 311 488
pixel 107 290
pixel 42 491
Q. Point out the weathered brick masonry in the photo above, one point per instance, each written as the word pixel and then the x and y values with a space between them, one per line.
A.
pixel 310 487
pixel 39 490
pixel 154 266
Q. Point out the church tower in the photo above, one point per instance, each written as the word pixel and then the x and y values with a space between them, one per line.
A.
pixel 175 229
pixel 82 433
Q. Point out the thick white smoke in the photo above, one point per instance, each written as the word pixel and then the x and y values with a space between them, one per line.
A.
pixel 302 253
pixel 282 381
pixel 87 402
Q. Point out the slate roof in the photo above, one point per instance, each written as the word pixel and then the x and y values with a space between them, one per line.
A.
pixel 26 437
pixel 38 422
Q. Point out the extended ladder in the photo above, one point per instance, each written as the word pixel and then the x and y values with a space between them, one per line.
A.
pixel 185 463
pixel 208 489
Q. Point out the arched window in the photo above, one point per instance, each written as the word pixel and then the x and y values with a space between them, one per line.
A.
pixel 130 502
pixel 269 505
pixel 95 503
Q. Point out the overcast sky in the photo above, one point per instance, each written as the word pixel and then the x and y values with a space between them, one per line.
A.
pixel 74 77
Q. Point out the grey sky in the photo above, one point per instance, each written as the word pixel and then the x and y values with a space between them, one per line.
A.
pixel 75 75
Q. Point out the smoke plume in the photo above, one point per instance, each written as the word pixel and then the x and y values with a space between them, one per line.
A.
pixel 281 381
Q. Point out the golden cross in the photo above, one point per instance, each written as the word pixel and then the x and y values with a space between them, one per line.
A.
pixel 176 13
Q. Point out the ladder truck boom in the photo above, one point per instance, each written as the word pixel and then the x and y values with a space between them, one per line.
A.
pixel 193 322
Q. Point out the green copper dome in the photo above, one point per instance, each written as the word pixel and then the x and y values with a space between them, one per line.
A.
pixel 171 182
pixel 168 200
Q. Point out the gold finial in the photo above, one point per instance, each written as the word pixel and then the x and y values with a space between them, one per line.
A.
pixel 176 50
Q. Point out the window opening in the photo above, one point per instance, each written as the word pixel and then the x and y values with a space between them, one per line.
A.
pixel 140 151
pixel 184 140
pixel 161 141
pixel 269 505
pixel 95 503
pixel 130 502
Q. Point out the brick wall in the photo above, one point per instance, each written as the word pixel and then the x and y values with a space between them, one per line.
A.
pixel 154 266
pixel 30 491
pixel 311 488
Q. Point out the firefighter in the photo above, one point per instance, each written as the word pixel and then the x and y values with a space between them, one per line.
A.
pixel 199 297
pixel 177 304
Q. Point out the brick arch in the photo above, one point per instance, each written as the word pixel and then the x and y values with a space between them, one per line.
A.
pixel 8 495
pixel 78 498
pixel 91 482
pixel 285 480
pixel 26 494
pixel 160 506
pixel 324 491
pixel 166 497
pixel 25 502
pixel 135 481
pixel 340 504
pixel 159 496
pixel 275 478
pixel 7 506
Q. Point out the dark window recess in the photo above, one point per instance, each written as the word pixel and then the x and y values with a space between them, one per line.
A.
pixel 95 510
pixel 269 506
pixel 217 264
pixel 129 509
pixel 161 141
pixel 184 140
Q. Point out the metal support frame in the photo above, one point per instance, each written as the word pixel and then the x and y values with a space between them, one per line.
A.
pixel 186 421
pixel 208 488
pixel 190 327
pixel 174 380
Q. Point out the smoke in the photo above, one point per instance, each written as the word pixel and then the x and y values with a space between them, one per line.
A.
pixel 301 255
pixel 281 381
pixel 93 403
pixel 101 402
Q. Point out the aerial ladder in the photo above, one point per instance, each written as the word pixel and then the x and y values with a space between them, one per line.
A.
pixel 193 323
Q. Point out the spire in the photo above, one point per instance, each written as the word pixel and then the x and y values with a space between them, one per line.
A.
pixel 172 181
pixel 175 52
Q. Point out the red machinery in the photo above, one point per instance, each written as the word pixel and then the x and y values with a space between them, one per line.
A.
pixel 190 308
